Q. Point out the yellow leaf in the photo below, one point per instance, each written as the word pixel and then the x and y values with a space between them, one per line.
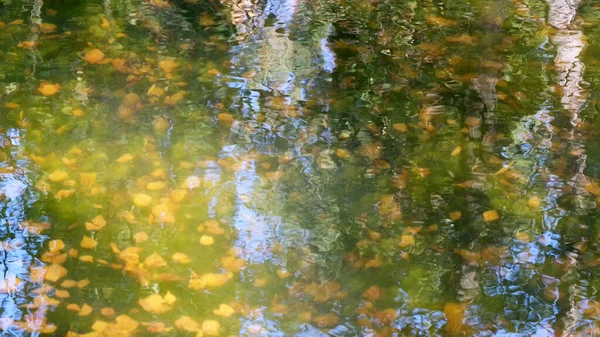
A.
pixel 207 240
pixel 456 151
pixel 187 323
pixel 56 245
pixel 86 258
pixel 211 327
pixel 534 202
pixel 58 175
pixel 88 242
pixel 455 215
pixel 48 89
pixel 593 188
pixel 489 216
pixel 210 280
pixel 225 119
pixel 83 283
pixel 61 293
pixel 68 284
pixel 155 185
pixel 54 272
pixel 94 56
pixel 88 179
pixel 124 158
pixel 170 298
pixel 97 223
pixel 140 237
pixel 400 127
pixel 73 307
pixel 455 313
pixel 105 24
pixel 167 65
pixel 406 241
pixel 224 311
pixel 142 200
pixel 155 304
pixel 85 310
pixel 178 195
pixel 283 274
pixel 155 261
pixel 107 312
pixel 47 28
pixel 181 258
pixel 99 326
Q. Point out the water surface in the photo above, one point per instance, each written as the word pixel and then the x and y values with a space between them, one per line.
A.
pixel 299 168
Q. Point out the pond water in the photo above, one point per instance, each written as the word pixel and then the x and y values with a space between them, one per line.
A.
pixel 299 168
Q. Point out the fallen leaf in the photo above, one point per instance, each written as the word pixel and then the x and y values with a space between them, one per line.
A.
pixel 155 304
pixel 187 323
pixel 94 56
pixel 124 158
pixel 224 311
pixel 181 258
pixel 88 243
pixel 489 216
pixel 140 237
pixel 207 240
pixel 54 272
pixel 211 327
pixel 97 223
pixel 142 200
pixel 58 175
pixel 48 89
pixel 155 261
pixel 167 65
pixel 85 310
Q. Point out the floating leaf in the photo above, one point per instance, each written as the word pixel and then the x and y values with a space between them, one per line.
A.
pixel 211 327
pixel 154 261
pixel 489 216
pixel 97 223
pixel 224 311
pixel 48 89
pixel 85 310
pixel 140 237
pixel 55 246
pixel 187 323
pixel 54 272
pixel 142 200
pixel 181 258
pixel 155 304
pixel 124 158
pixel 94 56
pixel 534 202
pixel 88 243
pixel 207 240
pixel 167 65
pixel 455 314
pixel 58 175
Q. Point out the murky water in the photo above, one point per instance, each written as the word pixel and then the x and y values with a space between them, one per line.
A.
pixel 299 168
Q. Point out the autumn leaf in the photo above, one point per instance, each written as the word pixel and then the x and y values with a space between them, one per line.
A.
pixel 54 272
pixel 154 261
pixel 224 310
pixel 58 175
pixel 48 89
pixel 142 200
pixel 155 304
pixel 167 65
pixel 96 224
pixel 88 243
pixel 489 216
pixel 94 56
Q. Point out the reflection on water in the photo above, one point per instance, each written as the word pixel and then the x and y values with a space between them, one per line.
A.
pixel 299 168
